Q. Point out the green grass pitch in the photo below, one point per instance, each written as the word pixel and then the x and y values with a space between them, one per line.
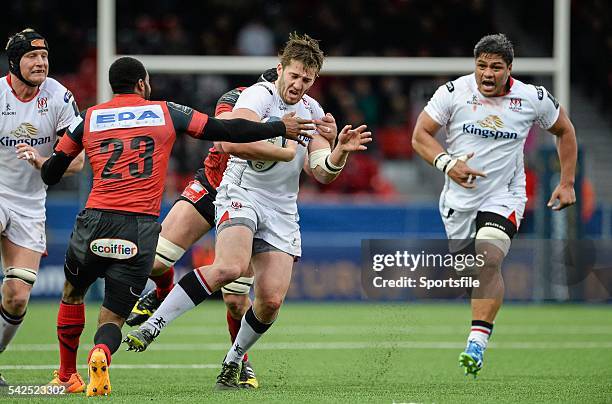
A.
pixel 347 353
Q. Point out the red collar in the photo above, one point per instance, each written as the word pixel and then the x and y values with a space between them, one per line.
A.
pixel 10 83
pixel 127 96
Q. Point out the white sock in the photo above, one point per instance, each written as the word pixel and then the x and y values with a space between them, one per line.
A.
pixel 190 291
pixel 9 325
pixel 251 329
pixel 480 332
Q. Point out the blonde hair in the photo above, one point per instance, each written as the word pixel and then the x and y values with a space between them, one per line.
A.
pixel 304 49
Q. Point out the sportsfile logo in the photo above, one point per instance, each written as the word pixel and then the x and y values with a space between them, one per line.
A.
pixel 113 248
pixel 489 128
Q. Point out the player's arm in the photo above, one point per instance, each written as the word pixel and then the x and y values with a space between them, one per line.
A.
pixel 32 156
pixel 261 150
pixel 425 144
pixel 67 150
pixel 568 151
pixel 326 127
pixel 202 126
pixel 326 164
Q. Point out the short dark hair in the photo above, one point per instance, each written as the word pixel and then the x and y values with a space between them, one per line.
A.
pixel 497 44
pixel 124 74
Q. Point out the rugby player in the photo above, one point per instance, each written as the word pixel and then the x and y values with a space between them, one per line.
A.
pixel 35 111
pixel 192 216
pixel 128 141
pixel 256 215
pixel 487 116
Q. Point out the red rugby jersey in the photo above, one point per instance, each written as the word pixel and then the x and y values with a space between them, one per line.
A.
pixel 216 161
pixel 128 141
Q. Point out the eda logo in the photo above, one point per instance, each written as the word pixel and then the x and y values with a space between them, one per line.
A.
pixel 113 248
pixel 126 117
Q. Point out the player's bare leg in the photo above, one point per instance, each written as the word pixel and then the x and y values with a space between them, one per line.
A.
pixel 70 325
pixel 181 228
pixel 232 255
pixel 272 278
pixel 486 301
pixel 20 268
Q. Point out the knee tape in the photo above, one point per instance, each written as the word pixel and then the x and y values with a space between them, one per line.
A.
pixel 494 236
pixel 25 275
pixel 240 286
pixel 167 252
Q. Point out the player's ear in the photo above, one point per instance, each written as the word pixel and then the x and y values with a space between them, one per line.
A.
pixel 279 69
pixel 510 68
pixel 140 86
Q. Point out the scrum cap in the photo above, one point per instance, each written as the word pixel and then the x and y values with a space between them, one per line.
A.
pixel 20 44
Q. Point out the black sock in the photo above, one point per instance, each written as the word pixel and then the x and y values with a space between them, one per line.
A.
pixel 108 334
pixel 195 287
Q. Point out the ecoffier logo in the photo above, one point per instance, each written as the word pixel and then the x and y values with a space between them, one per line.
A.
pixel 113 248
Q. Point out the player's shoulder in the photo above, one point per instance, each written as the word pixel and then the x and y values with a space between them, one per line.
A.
pixel 263 86
pixel 230 97
pixel 52 87
pixel 4 85
pixel 56 91
pixel 537 94
pixel 312 105
pixel 458 84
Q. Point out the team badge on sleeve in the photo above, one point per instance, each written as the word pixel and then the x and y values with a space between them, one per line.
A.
pixel 67 96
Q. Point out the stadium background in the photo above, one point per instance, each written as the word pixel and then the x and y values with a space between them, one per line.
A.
pixel 328 346
pixel 387 192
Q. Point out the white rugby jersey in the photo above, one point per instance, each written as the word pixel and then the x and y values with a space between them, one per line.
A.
pixel 495 129
pixel 278 185
pixel 35 122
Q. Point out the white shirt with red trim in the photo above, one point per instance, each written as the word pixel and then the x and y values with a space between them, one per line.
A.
pixel 495 129
pixel 35 122
pixel 278 186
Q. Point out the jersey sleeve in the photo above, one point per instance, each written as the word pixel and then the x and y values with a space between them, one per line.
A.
pixel 257 98
pixel 187 120
pixel 439 106
pixel 71 143
pixel 547 108
pixel 68 111
pixel 227 101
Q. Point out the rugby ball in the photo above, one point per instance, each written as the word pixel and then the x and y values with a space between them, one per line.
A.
pixel 280 141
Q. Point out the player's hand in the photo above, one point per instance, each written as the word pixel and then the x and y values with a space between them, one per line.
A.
pixel 350 140
pixel 28 153
pixel 327 127
pixel 566 196
pixel 463 174
pixel 296 127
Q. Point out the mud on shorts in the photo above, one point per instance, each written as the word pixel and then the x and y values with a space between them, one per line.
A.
pixel 272 230
pixel 119 247
pixel 201 195
pixel 22 230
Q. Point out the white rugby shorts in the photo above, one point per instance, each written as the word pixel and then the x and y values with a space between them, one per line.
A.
pixel 22 230
pixel 461 226
pixel 281 230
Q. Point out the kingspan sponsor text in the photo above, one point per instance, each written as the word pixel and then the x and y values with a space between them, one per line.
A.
pixel 488 133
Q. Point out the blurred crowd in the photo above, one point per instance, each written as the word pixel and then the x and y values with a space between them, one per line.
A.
pixel 255 27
